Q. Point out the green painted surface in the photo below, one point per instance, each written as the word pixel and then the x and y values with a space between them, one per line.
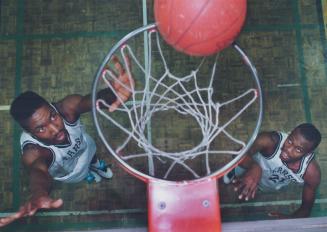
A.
pixel 55 48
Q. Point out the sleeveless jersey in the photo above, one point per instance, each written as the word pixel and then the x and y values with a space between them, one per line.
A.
pixel 275 174
pixel 71 161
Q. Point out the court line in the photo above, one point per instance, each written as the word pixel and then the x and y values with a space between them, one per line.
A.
pixel 16 130
pixel 299 48
pixel 72 35
pixel 274 203
pixel 322 11
pixel 127 211
pixel 279 27
pixel 65 36
pixel 81 213
pixel 0 12
pixel 4 108
pixel 288 85
pixel 120 33
pixel 322 17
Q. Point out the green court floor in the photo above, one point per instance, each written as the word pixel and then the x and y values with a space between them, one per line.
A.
pixel 55 48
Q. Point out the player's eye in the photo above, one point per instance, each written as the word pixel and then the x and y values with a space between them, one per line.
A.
pixel 53 116
pixel 298 150
pixel 40 129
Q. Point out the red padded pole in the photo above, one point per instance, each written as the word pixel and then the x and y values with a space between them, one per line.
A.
pixel 181 207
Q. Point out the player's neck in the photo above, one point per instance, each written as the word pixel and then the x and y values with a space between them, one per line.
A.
pixel 293 165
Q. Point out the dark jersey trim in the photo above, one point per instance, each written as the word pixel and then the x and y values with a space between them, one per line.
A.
pixel 280 138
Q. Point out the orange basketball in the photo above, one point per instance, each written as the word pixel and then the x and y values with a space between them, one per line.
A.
pixel 199 27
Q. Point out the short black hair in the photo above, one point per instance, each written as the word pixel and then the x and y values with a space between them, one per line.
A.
pixel 24 106
pixel 310 133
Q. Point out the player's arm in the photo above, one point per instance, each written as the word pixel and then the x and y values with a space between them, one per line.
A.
pixel 72 106
pixel 37 162
pixel 265 143
pixel 247 184
pixel 312 179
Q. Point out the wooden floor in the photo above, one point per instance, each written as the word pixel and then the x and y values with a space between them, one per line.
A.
pixel 318 224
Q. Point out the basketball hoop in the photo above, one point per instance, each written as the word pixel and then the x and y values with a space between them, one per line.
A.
pixel 180 130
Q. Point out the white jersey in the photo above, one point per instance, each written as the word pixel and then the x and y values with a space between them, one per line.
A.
pixel 275 174
pixel 71 161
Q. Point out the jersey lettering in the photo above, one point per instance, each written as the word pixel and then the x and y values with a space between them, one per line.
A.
pixel 71 153
pixel 280 175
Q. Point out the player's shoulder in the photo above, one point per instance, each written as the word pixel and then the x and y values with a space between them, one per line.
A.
pixel 269 138
pixel 33 153
pixel 313 173
pixel 68 107
pixel 267 142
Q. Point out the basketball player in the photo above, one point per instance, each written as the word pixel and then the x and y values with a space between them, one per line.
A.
pixel 277 159
pixel 55 145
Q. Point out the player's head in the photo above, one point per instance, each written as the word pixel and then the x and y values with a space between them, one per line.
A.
pixel 37 117
pixel 310 133
pixel 25 105
pixel 301 141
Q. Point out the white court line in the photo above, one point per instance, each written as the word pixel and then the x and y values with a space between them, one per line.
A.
pixel 126 211
pixel 80 213
pixel 265 203
pixel 4 107
pixel 7 107
pixel 288 85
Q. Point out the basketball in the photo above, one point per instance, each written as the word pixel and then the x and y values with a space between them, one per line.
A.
pixel 199 27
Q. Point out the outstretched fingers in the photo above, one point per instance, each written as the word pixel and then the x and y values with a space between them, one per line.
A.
pixel 22 212
pixel 246 190
pixel 119 69
pixel 123 84
pixel 29 209
pixel 53 204
pixel 7 220
pixel 118 65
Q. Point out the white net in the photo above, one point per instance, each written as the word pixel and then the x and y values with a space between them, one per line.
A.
pixel 158 96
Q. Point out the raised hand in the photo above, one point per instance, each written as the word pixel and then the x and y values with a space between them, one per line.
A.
pixel 247 185
pixel 123 83
pixel 31 207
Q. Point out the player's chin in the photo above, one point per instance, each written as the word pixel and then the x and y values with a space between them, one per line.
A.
pixel 284 157
pixel 284 160
pixel 61 137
